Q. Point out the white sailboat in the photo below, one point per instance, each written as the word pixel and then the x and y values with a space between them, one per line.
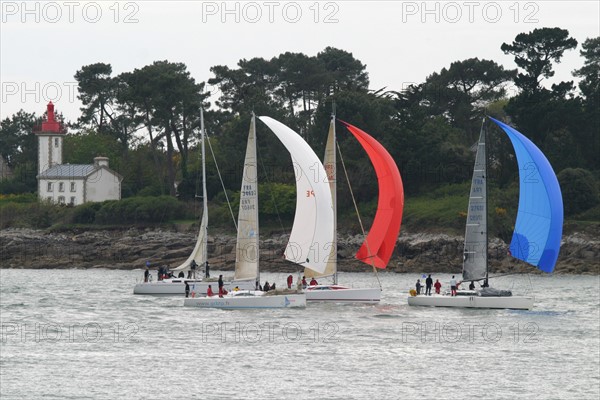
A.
pixel 537 234
pixel 176 286
pixel 334 292
pixel 305 239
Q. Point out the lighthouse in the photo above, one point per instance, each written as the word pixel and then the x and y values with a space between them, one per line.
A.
pixel 71 184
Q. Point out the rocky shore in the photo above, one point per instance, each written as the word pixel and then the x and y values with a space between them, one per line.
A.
pixel 130 249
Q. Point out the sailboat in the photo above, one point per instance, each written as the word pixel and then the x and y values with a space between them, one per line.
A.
pixel 537 234
pixel 379 244
pixel 314 215
pixel 176 286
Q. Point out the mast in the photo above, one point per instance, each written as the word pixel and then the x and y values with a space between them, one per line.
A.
pixel 333 186
pixel 204 197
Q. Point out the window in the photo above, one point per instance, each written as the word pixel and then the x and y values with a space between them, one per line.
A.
pixel 72 200
pixel 61 199
pixel 72 186
pixel 56 142
pixel 49 187
pixel 61 186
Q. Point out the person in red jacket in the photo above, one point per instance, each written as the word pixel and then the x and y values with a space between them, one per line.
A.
pixel 313 282
pixel 209 291
pixel 290 280
pixel 437 285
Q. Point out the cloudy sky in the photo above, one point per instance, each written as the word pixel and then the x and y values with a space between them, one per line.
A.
pixel 43 44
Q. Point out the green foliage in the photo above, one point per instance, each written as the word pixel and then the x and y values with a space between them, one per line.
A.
pixel 428 128
pixel 82 147
pixel 437 213
pixel 18 143
pixel 140 210
pixel 579 189
pixel 535 51
pixel 86 213
pixel 23 213
pixel 18 198
pixel 277 198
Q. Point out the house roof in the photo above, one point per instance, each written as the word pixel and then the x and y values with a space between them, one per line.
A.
pixel 73 171
pixel 68 171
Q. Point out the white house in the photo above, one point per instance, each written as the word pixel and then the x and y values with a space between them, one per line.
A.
pixel 71 183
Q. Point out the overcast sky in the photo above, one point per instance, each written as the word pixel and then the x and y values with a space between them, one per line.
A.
pixel 43 44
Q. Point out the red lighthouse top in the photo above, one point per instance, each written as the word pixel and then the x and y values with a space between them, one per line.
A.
pixel 51 124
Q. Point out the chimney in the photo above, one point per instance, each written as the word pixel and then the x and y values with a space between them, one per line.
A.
pixel 101 162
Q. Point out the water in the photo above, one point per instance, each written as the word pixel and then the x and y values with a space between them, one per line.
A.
pixel 82 334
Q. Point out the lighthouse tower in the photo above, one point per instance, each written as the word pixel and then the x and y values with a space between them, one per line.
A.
pixel 50 142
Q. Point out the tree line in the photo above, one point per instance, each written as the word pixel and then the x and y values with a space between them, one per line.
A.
pixel 148 120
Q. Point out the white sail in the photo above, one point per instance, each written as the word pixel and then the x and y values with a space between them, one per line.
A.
pixel 200 252
pixel 329 162
pixel 475 251
pixel 312 233
pixel 247 246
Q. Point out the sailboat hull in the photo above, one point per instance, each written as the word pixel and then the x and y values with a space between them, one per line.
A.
pixel 250 301
pixel 176 287
pixel 510 302
pixel 342 294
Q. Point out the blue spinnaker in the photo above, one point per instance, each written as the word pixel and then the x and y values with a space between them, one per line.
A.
pixel 538 230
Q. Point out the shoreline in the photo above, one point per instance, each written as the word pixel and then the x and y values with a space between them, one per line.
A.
pixel 23 248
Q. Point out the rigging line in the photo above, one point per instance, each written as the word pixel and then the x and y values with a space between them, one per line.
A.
pixel 221 179
pixel 262 164
pixel 362 228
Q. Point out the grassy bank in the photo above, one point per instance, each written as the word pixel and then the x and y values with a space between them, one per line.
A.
pixel 441 210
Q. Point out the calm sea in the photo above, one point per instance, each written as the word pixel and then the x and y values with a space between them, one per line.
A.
pixel 82 334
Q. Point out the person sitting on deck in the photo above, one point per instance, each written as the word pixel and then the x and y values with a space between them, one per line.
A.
pixel 209 291
pixel 266 286
pixel 181 274
pixel 472 286
pixel 313 282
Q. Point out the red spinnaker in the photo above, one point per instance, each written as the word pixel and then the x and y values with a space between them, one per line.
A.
pixel 381 240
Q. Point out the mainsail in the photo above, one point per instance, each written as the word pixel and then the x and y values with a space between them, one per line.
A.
pixel 329 162
pixel 538 229
pixel 247 246
pixel 200 252
pixel 381 240
pixel 475 250
pixel 312 232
